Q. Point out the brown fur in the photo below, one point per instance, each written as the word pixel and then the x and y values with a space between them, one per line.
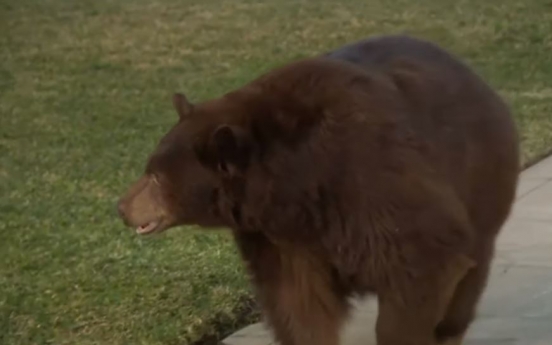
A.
pixel 385 167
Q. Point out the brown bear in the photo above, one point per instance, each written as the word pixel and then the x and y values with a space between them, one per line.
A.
pixel 386 167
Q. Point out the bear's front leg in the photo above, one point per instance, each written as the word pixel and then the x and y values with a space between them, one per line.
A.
pixel 301 303
pixel 411 309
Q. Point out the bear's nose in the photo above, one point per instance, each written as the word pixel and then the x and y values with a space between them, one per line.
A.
pixel 121 210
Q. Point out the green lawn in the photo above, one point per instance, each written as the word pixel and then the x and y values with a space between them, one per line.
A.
pixel 85 92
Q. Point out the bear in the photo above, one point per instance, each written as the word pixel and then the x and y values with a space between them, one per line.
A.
pixel 386 167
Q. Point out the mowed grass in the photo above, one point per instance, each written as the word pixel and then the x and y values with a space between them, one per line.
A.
pixel 85 94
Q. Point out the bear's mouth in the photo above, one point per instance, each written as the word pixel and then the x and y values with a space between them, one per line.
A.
pixel 148 228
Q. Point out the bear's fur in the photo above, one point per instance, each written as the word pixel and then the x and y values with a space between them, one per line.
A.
pixel 386 167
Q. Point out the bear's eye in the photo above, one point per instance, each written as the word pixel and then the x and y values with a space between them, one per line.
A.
pixel 155 179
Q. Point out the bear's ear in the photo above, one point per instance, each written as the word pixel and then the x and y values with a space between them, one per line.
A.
pixel 182 105
pixel 231 149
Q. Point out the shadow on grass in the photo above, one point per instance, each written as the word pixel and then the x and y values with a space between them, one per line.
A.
pixel 245 314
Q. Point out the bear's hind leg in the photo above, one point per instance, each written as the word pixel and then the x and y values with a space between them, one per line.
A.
pixel 461 311
pixel 409 316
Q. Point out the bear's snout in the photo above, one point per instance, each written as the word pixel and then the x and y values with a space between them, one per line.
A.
pixel 121 210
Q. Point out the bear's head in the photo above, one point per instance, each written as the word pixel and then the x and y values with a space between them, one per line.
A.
pixel 183 176
pixel 249 159
pixel 198 172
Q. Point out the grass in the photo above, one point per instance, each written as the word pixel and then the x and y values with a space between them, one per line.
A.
pixel 85 94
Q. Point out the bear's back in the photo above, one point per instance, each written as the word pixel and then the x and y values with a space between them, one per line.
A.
pixel 466 123
pixel 378 51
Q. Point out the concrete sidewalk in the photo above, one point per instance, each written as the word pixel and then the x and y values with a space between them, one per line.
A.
pixel 516 308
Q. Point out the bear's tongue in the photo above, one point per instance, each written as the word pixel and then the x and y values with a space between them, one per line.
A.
pixel 146 228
